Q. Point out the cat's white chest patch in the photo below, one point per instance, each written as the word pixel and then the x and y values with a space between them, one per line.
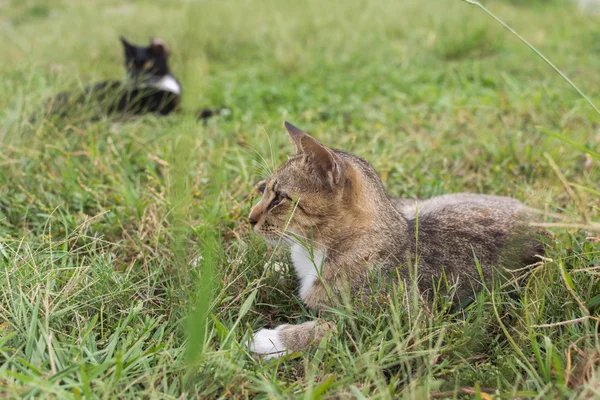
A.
pixel 307 267
pixel 167 83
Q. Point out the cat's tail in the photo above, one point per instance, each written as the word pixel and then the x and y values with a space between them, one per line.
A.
pixel 206 113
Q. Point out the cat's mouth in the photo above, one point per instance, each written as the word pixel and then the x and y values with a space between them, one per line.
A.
pixel 271 238
pixel 274 237
pixel 288 238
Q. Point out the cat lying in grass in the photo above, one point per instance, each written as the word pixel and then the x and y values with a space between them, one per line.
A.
pixel 331 208
pixel 150 87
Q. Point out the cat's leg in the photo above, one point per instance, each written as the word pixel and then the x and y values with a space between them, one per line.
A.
pixel 270 343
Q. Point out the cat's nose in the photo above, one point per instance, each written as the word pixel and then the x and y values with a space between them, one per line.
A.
pixel 252 221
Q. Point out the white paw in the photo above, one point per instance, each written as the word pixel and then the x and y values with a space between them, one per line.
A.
pixel 267 343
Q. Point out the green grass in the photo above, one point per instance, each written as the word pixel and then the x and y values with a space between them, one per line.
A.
pixel 127 266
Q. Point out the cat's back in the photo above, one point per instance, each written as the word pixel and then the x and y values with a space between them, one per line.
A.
pixel 452 231
pixel 456 203
pixel 467 216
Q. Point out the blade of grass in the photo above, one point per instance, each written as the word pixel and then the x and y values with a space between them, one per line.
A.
pixel 570 142
pixel 536 51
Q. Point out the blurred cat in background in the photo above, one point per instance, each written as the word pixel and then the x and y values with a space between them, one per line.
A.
pixel 150 87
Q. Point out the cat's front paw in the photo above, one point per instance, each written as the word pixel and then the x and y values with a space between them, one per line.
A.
pixel 267 343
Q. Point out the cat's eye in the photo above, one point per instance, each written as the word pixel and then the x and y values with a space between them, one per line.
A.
pixel 148 65
pixel 279 197
pixel 261 186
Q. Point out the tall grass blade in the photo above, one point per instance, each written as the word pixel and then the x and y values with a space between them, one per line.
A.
pixel 536 51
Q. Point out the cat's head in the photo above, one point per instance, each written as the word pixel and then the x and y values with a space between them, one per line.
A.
pixel 315 193
pixel 143 63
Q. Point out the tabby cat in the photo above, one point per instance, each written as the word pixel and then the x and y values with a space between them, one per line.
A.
pixel 331 208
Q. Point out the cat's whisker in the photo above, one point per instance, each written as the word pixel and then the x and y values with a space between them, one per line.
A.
pixel 308 242
pixel 288 238
pixel 261 166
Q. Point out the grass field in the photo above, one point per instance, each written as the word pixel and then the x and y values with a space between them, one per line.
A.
pixel 127 266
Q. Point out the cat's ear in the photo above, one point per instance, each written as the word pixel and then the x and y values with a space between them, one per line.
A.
pixel 126 45
pixel 158 47
pixel 296 135
pixel 324 159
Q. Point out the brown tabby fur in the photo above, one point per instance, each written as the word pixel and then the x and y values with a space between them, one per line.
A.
pixel 336 202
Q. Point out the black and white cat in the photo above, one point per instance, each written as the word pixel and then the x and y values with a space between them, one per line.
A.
pixel 147 68
pixel 150 87
pixel 155 87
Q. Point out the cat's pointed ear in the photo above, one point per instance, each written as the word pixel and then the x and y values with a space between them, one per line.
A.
pixel 125 43
pixel 296 136
pixel 129 48
pixel 324 159
pixel 158 47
